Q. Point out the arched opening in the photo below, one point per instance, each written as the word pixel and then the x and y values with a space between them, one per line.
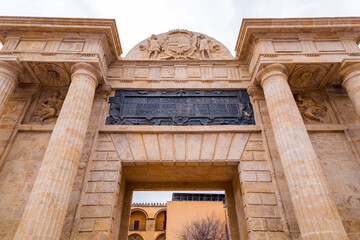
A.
pixel 161 237
pixel 160 220
pixel 135 237
pixel 137 220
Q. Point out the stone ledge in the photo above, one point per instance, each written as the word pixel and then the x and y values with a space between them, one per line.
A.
pixel 183 129
pixel 179 129
pixel 36 127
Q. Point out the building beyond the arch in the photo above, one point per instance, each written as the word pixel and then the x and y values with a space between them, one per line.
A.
pixel 156 221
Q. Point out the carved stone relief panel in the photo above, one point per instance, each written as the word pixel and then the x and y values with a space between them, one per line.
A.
pixel 219 71
pixel 71 46
pixel 32 45
pixel 46 108
pixel 310 76
pixel 287 46
pixel 329 46
pixel 179 44
pixel 52 75
pixel 314 107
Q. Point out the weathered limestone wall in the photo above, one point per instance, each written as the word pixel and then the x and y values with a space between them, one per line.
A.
pixel 21 155
pixel 17 178
pixel 262 205
pixel 99 199
pixel 339 154
pixel 341 169
pixel 12 115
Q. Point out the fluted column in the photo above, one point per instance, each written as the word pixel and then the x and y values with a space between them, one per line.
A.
pixel 351 82
pixel 315 211
pixel 45 211
pixel 8 81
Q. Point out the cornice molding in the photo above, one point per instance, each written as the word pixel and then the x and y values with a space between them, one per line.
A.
pixel 19 25
pixel 249 27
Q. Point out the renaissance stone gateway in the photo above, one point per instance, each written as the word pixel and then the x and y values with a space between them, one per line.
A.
pixel 276 127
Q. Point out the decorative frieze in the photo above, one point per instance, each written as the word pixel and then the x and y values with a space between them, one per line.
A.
pixel 227 71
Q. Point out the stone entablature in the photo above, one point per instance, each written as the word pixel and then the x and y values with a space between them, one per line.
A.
pixel 58 43
pixel 144 74
pixel 302 41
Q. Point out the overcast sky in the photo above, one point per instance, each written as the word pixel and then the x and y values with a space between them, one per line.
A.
pixel 220 19
pixel 138 19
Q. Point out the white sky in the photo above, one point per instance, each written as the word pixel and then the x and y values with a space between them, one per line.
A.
pixel 138 19
pixel 220 19
pixel 161 197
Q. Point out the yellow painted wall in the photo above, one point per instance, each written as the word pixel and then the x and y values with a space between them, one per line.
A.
pixel 159 221
pixel 184 212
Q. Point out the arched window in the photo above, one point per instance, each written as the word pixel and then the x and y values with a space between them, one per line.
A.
pixel 160 221
pixel 161 237
pixel 137 221
pixel 135 237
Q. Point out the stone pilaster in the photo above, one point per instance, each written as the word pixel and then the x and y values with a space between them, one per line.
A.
pixel 315 211
pixel 45 211
pixel 351 82
pixel 8 81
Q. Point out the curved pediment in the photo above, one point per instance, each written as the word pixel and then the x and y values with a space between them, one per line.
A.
pixel 179 44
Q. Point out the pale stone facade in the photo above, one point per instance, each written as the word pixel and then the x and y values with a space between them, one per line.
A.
pixel 64 174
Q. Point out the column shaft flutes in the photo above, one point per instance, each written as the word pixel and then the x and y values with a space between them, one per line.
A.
pixel 45 211
pixel 315 211
pixel 351 83
pixel 8 81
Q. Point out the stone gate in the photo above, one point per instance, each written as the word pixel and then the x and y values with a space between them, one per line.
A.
pixel 276 127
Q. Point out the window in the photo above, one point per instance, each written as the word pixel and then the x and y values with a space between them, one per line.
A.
pixel 136 225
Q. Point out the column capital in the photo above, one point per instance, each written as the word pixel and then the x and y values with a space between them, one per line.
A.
pixel 87 70
pixel 270 70
pixel 254 90
pixel 10 69
pixel 349 71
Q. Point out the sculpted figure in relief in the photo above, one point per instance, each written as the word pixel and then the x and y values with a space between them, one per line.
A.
pixel 154 47
pixel 204 47
pixel 50 107
pixel 311 109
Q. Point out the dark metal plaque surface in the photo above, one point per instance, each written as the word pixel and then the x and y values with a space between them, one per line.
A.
pixel 180 107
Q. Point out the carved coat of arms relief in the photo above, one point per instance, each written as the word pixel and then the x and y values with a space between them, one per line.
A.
pixel 179 44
